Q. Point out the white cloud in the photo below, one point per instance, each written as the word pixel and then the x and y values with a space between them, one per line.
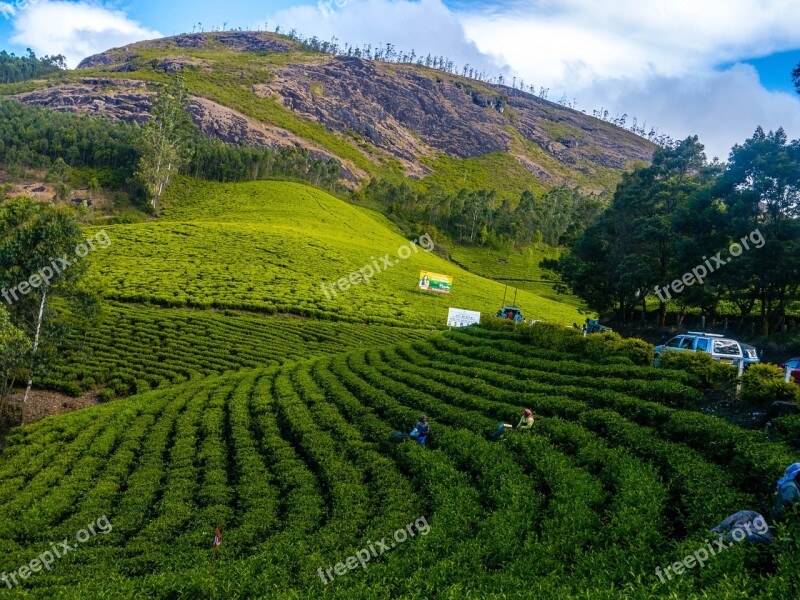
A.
pixel 723 108
pixel 655 60
pixel 75 29
pixel 427 26
pixel 628 38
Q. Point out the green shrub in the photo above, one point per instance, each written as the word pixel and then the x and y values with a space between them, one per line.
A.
pixel 107 394
pixel 710 373
pixel 787 429
pixel 497 324
pixel 595 347
pixel 763 384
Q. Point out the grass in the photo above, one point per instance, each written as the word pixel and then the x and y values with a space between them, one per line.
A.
pixel 481 173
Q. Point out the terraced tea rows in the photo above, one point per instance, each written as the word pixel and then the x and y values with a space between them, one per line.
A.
pixel 295 465
pixel 137 348
pixel 270 246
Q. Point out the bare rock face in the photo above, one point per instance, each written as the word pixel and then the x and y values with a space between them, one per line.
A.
pixel 130 101
pixel 395 109
pixel 408 111
pixel 119 99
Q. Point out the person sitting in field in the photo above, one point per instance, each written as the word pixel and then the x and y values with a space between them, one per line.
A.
pixel 526 421
pixel 423 429
pixel 501 429
pixel 744 526
pixel 788 492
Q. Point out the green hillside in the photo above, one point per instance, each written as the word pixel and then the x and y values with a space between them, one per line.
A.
pixel 519 269
pixel 270 247
pixel 294 465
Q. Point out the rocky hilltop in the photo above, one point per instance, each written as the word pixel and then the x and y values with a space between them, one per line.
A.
pixel 375 117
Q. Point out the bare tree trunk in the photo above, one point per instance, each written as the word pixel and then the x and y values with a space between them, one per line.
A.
pixel 662 314
pixel 33 352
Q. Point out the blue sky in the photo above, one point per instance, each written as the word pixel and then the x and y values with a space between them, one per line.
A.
pixel 717 68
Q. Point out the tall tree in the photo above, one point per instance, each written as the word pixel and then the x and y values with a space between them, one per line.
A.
pixel 37 264
pixel 163 142
pixel 631 249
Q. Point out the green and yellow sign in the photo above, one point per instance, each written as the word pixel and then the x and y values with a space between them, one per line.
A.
pixel 435 282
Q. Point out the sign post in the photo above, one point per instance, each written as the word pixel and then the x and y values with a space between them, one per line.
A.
pixel 458 317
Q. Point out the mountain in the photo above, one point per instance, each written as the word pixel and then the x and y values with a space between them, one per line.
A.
pixel 377 118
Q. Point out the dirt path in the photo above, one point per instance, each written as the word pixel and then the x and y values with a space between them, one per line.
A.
pixel 44 403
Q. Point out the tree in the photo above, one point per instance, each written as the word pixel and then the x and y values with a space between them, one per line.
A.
pixel 631 248
pixel 37 264
pixel 761 192
pixel 15 348
pixel 163 142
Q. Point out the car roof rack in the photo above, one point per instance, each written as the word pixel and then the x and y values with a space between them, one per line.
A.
pixel 717 335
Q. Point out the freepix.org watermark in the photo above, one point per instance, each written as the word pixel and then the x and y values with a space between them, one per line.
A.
pixel 758 529
pixel 57 265
pixel 46 558
pixel 704 269
pixel 374 550
pixel 9 9
pixel 367 272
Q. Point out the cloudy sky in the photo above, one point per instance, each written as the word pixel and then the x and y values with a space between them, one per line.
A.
pixel 717 68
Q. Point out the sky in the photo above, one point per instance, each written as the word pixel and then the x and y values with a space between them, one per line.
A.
pixel 715 68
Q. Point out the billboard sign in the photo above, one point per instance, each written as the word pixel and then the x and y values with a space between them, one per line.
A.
pixel 435 282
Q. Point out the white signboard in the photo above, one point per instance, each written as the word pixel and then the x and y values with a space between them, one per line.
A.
pixel 457 317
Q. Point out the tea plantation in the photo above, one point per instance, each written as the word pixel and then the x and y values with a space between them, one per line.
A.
pixel 265 408
pixel 295 465
pixel 270 247
pixel 137 348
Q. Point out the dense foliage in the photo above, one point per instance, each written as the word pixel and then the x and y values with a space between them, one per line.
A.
pixel 668 218
pixel 16 69
pixel 555 217
pixel 764 383
pixel 31 137
pixel 294 465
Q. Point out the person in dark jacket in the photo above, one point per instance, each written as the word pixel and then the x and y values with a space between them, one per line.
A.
pixel 423 429
pixel 788 493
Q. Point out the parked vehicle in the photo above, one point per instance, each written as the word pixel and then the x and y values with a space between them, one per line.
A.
pixel 750 355
pixel 720 348
pixel 794 365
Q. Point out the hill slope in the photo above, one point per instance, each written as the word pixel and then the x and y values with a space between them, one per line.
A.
pixel 377 118
pixel 294 465
pixel 271 246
